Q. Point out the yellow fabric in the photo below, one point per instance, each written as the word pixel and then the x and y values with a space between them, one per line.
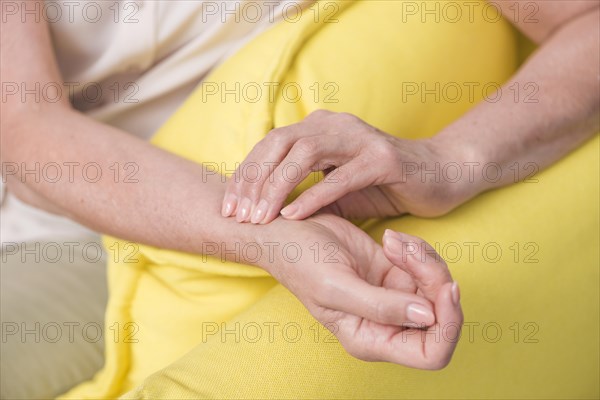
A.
pixel 270 346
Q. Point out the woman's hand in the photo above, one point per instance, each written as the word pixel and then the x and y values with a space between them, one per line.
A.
pixel 396 303
pixel 369 173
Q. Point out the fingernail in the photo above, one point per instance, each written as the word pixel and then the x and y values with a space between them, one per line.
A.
pixel 392 241
pixel 455 293
pixel 259 212
pixel 229 205
pixel 289 211
pixel 419 314
pixel 244 210
pixel 403 248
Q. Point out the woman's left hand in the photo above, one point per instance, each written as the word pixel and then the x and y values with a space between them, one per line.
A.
pixel 368 173
pixel 396 302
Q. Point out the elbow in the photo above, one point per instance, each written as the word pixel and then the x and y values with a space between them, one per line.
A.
pixel 22 119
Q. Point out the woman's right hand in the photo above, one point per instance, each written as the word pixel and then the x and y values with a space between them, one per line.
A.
pixel 382 303
pixel 368 173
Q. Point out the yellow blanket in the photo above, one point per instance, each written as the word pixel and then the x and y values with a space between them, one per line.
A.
pixel 526 256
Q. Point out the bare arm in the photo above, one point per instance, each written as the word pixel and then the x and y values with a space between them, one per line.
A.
pixel 170 205
pixel 565 111
pixel 517 136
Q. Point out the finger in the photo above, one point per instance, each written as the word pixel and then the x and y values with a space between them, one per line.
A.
pixel 415 348
pixel 398 279
pixel 431 348
pixel 308 154
pixel 352 295
pixel 245 184
pixel 347 178
pixel 419 260
pixel 443 337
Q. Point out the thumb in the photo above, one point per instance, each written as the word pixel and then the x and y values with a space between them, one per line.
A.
pixel 417 258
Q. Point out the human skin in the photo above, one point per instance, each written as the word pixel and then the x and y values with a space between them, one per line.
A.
pixel 372 294
pixel 373 174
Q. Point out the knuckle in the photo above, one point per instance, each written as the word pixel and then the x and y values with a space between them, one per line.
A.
pixel 276 136
pixel 361 163
pixel 252 190
pixel 274 132
pixel 306 147
pixel 236 179
pixel 354 352
pixel 460 321
pixel 275 188
pixel 385 151
pixel 270 136
pixel 432 280
pixel 346 118
pixel 437 362
pixel 358 352
pixel 310 196
pixel 323 294
pixel 248 173
pixel 261 145
pixel 439 266
pixel 318 114
pixel 340 177
pixel 289 174
pixel 230 184
pixel 321 297
pixel 379 311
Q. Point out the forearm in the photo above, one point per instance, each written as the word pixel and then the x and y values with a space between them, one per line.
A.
pixel 168 202
pixel 553 122
pixel 144 194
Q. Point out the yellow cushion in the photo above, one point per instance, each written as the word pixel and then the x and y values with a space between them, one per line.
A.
pixel 366 63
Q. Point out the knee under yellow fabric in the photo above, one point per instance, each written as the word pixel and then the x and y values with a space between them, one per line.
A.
pixel 526 256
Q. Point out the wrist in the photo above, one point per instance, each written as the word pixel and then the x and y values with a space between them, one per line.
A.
pixel 269 240
pixel 461 166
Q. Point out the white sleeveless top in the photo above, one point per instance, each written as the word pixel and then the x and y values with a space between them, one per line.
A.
pixel 130 64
